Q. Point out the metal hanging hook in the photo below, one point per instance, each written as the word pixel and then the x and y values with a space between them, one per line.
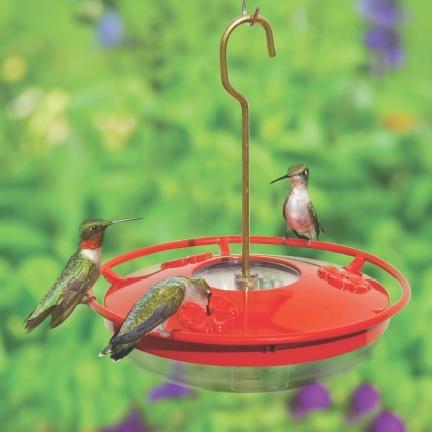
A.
pixel 244 12
pixel 250 19
pixel 244 7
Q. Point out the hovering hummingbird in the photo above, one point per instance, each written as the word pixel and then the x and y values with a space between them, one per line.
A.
pixel 298 209
pixel 152 310
pixel 79 274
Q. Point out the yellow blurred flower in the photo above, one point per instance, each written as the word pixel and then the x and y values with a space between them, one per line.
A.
pixel 25 103
pixel 14 68
pixel 398 121
pixel 115 129
pixel 58 131
pixel 56 101
pixel 48 124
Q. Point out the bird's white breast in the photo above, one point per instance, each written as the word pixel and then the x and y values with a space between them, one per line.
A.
pixel 298 201
pixel 94 255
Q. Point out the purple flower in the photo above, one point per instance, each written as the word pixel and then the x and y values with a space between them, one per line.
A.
pixel 169 391
pixel 110 29
pixel 381 39
pixel 385 13
pixel 364 400
pixel 387 421
pixel 132 423
pixel 394 56
pixel 385 43
pixel 313 397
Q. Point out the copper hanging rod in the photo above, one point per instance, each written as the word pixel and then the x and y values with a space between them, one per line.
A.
pixel 251 19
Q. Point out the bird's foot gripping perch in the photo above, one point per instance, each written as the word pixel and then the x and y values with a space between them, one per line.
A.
pixel 286 238
pixel 88 299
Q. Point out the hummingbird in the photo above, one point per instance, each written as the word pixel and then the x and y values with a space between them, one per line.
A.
pixel 79 274
pixel 298 209
pixel 152 310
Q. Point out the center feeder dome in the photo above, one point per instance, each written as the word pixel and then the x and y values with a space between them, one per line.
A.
pixel 276 322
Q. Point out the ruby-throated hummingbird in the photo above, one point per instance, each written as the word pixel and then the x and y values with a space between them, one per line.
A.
pixel 298 209
pixel 152 310
pixel 79 275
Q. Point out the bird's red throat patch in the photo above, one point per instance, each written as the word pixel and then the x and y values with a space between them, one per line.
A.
pixel 93 242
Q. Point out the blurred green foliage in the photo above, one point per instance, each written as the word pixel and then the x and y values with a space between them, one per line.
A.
pixel 145 129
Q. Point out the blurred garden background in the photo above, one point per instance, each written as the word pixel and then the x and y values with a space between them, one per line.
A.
pixel 115 109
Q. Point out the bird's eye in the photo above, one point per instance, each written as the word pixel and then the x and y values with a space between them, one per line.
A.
pixel 94 228
pixel 305 172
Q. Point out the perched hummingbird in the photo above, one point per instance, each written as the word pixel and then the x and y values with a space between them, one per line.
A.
pixel 80 273
pixel 152 310
pixel 298 209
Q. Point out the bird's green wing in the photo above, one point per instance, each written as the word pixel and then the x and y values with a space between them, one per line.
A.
pixel 158 316
pixel 152 309
pixel 313 214
pixel 283 208
pixel 53 296
pixel 77 277
pixel 81 277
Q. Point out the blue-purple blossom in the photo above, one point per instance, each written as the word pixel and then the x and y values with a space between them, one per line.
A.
pixel 110 29
pixel 387 421
pixel 132 423
pixel 313 397
pixel 394 56
pixel 169 391
pixel 382 34
pixel 384 13
pixel 385 43
pixel 364 400
pixel 380 39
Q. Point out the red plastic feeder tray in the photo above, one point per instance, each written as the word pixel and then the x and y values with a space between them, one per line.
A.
pixel 305 321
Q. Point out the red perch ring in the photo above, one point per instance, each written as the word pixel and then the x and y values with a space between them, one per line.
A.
pixel 323 310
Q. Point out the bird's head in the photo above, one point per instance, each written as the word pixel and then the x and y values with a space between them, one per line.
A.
pixel 297 174
pixel 92 231
pixel 204 291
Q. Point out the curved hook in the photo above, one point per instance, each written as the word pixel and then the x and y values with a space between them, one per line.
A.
pixel 244 12
pixel 251 19
pixel 246 281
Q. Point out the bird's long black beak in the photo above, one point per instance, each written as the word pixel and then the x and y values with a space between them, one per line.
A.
pixel 208 303
pixel 124 220
pixel 281 178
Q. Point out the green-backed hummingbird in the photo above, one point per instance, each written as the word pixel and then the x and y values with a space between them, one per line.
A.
pixel 151 312
pixel 78 276
pixel 298 209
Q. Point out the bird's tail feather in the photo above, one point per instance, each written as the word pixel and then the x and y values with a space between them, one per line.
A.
pixel 63 310
pixel 58 317
pixel 117 351
pixel 122 350
pixel 105 351
pixel 31 323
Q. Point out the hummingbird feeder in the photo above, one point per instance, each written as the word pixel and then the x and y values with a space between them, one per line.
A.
pixel 276 321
